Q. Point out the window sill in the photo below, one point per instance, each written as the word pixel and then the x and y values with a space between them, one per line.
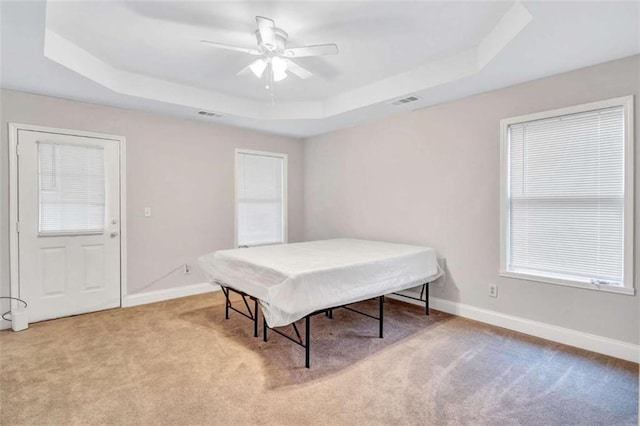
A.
pixel 275 243
pixel 567 283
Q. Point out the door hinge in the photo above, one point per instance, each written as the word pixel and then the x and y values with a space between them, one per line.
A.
pixel 18 149
pixel 18 227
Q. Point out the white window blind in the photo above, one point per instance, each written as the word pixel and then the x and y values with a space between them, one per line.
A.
pixel 566 197
pixel 71 188
pixel 260 199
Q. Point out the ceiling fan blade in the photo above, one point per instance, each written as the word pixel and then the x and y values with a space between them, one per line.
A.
pixel 245 71
pixel 297 70
pixel 266 31
pixel 318 50
pixel 229 47
pixel 256 68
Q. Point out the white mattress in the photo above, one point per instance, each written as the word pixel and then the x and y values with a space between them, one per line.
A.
pixel 293 280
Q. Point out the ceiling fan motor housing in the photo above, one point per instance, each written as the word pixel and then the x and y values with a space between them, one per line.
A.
pixel 280 38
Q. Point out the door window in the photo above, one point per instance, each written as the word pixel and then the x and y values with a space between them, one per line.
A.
pixel 71 189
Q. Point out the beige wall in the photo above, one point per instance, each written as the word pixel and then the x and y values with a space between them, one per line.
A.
pixel 428 177
pixel 182 169
pixel 432 177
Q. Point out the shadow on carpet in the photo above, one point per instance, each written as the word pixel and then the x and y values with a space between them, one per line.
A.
pixel 336 344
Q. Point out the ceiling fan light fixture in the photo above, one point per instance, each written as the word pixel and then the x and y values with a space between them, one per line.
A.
pixel 279 67
pixel 258 67
pixel 278 76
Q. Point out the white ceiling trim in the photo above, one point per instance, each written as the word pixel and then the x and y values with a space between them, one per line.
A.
pixel 509 26
pixel 70 55
pixel 431 74
pixel 436 73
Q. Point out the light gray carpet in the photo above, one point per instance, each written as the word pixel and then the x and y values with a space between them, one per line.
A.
pixel 180 362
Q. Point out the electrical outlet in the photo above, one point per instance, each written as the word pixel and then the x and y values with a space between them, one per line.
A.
pixel 493 290
pixel 187 269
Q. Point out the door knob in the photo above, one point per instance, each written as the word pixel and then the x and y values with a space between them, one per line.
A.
pixel 114 234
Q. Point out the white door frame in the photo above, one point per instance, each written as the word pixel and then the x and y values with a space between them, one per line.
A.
pixel 14 275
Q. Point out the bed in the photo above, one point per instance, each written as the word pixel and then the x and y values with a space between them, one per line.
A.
pixel 295 281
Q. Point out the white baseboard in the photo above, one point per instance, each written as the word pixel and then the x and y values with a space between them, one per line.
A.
pixel 169 293
pixel 567 336
pixel 154 296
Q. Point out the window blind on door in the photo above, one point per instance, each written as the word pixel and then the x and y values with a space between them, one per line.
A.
pixel 71 188
pixel 566 196
pixel 260 199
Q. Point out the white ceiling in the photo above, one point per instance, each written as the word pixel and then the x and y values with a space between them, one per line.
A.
pixel 162 40
pixel 147 55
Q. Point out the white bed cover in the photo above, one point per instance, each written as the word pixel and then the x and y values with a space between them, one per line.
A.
pixel 294 280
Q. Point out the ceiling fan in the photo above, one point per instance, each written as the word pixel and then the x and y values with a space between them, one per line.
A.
pixel 275 58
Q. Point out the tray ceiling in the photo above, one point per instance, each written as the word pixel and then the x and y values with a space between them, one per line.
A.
pixel 147 54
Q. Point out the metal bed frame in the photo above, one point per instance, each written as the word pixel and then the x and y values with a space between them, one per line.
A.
pixel 425 292
pixel 252 315
pixel 306 342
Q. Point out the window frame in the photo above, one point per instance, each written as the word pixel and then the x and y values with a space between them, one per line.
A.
pixel 237 153
pixel 626 102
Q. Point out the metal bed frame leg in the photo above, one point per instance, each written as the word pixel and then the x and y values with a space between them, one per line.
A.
pixel 381 317
pixel 307 330
pixel 426 299
pixel 226 303
pixel 424 291
pixel 252 314
pixel 264 329
pixel 255 317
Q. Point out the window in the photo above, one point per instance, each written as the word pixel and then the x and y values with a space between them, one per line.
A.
pixel 567 196
pixel 260 198
pixel 71 189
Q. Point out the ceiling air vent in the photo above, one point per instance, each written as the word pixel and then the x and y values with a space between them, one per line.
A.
pixel 209 114
pixel 406 100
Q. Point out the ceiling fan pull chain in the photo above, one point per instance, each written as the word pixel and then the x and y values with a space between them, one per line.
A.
pixel 273 98
pixel 269 77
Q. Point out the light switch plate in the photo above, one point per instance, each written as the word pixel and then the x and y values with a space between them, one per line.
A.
pixel 147 212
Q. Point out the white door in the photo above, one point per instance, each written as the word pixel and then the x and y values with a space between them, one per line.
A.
pixel 69 223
